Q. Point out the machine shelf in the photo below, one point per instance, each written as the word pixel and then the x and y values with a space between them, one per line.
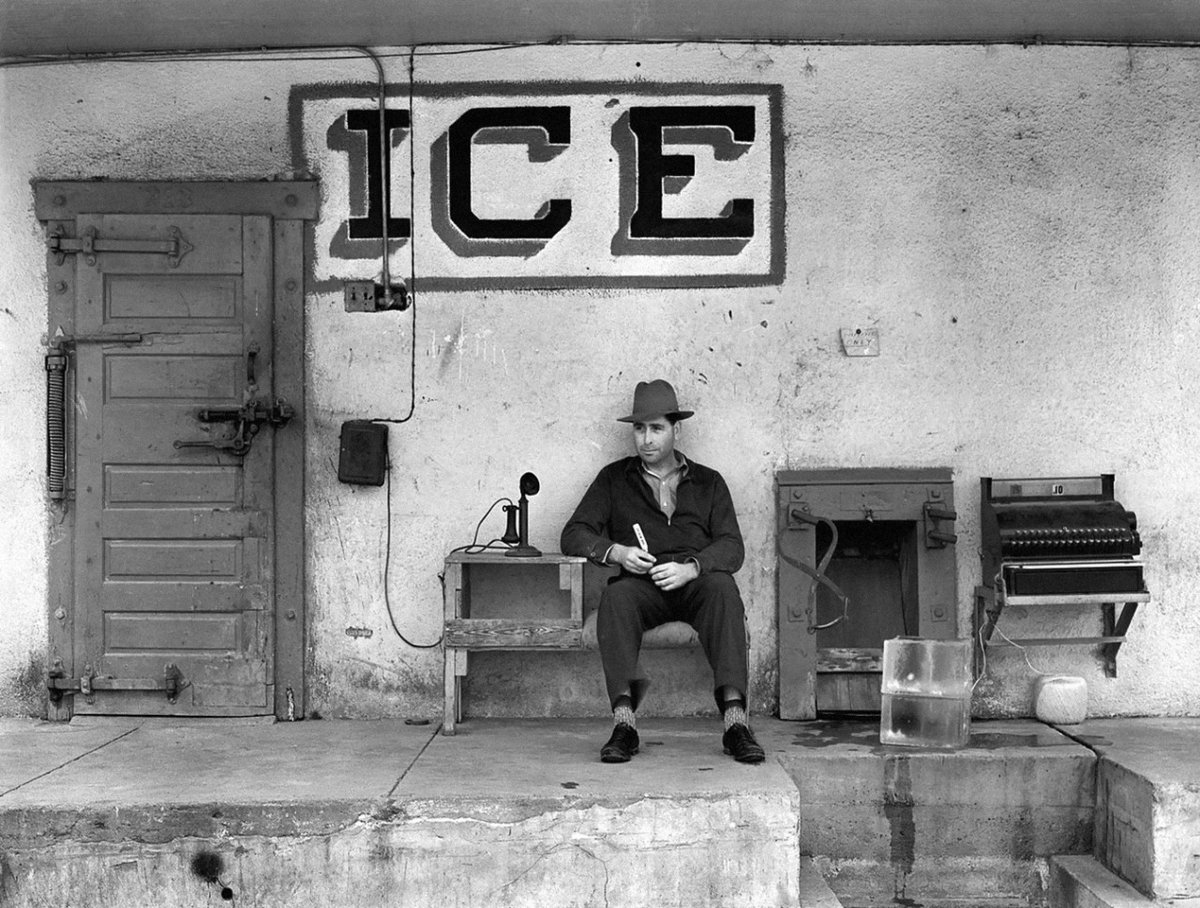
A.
pixel 990 604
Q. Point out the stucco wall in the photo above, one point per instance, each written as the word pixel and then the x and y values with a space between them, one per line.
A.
pixel 1020 224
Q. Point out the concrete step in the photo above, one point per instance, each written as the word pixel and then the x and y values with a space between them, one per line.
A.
pixel 512 813
pixel 890 825
pixel 1148 802
pixel 1080 881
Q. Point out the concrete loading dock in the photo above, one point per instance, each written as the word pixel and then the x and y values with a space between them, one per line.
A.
pixel 148 812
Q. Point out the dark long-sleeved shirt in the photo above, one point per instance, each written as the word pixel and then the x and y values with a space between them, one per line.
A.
pixel 704 526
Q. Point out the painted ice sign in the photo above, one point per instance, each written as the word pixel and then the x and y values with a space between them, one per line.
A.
pixel 554 185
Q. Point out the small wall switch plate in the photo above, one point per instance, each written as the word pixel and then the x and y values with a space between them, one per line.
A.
pixel 368 296
pixel 860 341
pixel 361 296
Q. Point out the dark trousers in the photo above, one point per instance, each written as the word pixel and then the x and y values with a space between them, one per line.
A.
pixel 631 605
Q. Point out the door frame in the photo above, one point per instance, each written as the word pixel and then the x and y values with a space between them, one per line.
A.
pixel 852 494
pixel 289 203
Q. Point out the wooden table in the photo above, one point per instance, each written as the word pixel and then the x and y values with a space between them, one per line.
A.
pixel 537 617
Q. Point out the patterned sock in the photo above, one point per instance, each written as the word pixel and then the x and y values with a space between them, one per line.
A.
pixel 735 714
pixel 623 715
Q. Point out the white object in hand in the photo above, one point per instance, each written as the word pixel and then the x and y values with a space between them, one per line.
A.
pixel 641 537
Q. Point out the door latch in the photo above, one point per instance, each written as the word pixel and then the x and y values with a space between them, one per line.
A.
pixel 57 683
pixel 90 243
pixel 249 418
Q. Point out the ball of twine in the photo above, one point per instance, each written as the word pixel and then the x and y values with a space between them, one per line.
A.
pixel 1061 699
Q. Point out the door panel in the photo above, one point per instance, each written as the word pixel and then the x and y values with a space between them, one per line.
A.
pixel 209 296
pixel 175 545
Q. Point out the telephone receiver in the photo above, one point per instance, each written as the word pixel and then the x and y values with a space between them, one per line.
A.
pixel 529 486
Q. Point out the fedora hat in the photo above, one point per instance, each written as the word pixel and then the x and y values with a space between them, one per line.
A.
pixel 652 399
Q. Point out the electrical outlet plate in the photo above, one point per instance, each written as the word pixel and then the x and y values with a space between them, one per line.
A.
pixel 360 296
pixel 860 341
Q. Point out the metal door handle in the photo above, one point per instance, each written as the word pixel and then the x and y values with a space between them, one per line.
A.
pixel 248 418
pixel 237 444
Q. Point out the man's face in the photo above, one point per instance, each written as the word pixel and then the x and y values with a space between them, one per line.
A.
pixel 655 441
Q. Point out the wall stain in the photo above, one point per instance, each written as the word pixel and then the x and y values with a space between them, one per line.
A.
pixel 1024 836
pixel 452 344
pixel 8 880
pixel 367 680
pixel 208 865
pixel 28 687
pixel 898 809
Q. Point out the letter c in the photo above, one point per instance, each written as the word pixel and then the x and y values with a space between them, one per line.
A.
pixel 554 121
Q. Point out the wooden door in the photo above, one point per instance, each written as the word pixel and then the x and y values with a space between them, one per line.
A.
pixel 174 548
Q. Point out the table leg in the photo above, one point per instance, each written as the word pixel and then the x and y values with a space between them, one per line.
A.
pixel 454 671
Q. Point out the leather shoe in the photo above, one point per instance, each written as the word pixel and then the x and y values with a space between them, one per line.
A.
pixel 621 746
pixel 740 744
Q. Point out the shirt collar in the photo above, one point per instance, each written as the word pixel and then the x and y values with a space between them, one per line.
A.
pixel 680 468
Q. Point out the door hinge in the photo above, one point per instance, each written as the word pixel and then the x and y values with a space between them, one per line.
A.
pixel 62 341
pixel 89 243
pixel 936 516
pixel 57 683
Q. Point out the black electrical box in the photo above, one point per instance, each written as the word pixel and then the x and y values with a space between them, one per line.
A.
pixel 363 458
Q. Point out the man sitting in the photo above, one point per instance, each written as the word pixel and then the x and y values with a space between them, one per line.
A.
pixel 669 523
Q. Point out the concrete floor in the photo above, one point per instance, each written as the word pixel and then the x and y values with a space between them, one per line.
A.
pixel 326 771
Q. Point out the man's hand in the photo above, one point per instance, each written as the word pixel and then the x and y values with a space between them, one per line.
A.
pixel 671 575
pixel 634 560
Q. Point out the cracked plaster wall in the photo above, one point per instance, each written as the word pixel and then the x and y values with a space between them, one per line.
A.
pixel 1020 224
